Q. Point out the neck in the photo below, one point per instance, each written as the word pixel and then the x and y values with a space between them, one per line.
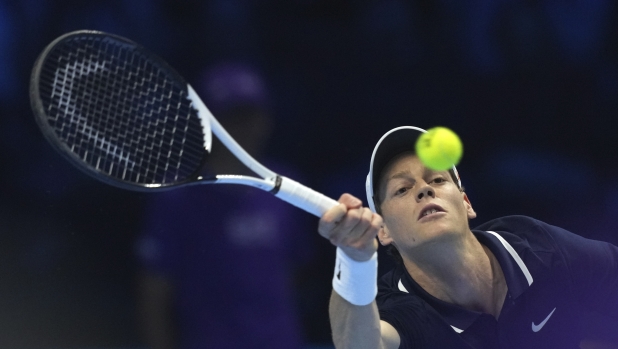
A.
pixel 461 272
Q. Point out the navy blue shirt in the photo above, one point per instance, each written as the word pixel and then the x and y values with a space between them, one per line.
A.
pixel 552 275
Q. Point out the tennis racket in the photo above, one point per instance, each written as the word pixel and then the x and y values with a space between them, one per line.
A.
pixel 124 116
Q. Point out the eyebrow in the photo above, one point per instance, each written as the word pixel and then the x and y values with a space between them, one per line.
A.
pixel 401 174
pixel 407 174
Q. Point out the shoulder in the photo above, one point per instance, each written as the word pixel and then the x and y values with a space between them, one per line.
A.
pixel 536 234
pixel 548 242
pixel 517 224
pixel 533 231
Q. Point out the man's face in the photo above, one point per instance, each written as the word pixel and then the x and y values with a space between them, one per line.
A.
pixel 419 205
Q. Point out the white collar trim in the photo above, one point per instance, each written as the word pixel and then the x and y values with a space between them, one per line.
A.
pixel 458 330
pixel 515 256
pixel 402 287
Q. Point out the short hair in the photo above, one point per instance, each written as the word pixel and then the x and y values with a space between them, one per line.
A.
pixel 378 200
pixel 391 250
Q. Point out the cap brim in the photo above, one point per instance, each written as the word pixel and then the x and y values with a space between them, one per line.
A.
pixel 392 143
pixel 399 141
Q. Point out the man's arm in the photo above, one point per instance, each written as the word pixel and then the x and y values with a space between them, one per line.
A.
pixel 360 326
pixel 353 229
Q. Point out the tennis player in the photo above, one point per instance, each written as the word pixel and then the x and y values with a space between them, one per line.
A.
pixel 513 282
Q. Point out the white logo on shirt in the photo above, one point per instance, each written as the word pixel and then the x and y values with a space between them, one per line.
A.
pixel 537 328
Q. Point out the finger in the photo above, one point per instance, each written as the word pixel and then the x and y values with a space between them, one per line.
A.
pixel 344 227
pixel 363 224
pixel 376 224
pixel 365 230
pixel 330 219
pixel 350 201
pixel 366 243
pixel 352 227
pixel 376 221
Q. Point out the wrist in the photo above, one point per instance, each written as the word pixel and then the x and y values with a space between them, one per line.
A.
pixel 361 255
pixel 356 281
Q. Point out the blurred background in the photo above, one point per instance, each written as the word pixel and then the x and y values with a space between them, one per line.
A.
pixel 530 86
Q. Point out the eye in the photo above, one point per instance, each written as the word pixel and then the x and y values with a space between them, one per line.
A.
pixel 439 180
pixel 401 191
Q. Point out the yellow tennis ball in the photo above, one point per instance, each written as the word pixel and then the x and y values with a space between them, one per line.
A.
pixel 439 149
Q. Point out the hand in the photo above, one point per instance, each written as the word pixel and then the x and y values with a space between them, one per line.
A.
pixel 351 227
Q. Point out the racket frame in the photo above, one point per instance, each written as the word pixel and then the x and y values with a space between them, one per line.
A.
pixel 283 187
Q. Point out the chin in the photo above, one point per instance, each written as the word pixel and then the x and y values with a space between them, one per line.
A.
pixel 441 233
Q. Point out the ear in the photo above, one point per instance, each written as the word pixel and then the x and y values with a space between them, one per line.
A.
pixel 469 209
pixel 384 236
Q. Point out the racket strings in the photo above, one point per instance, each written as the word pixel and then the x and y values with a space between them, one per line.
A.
pixel 120 112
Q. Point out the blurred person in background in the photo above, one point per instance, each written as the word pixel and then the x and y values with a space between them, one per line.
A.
pixel 216 261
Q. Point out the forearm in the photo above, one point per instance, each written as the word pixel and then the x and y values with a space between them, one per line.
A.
pixel 354 317
pixel 354 326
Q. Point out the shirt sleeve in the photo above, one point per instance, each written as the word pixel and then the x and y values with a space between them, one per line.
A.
pixel 593 268
pixel 404 317
pixel 417 323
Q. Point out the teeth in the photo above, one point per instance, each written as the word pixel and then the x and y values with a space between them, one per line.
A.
pixel 428 212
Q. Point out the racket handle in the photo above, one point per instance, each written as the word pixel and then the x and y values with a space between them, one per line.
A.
pixel 304 197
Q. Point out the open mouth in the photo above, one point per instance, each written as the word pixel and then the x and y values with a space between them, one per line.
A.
pixel 429 210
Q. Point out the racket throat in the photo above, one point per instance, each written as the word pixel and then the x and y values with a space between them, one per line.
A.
pixel 277 186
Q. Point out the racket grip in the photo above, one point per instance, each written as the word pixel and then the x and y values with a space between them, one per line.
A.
pixel 304 197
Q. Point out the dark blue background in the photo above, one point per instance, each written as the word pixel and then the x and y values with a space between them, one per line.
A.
pixel 530 86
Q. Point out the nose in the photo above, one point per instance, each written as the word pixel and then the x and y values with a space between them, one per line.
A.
pixel 426 190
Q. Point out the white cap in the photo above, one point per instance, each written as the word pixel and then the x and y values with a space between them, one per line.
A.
pixel 393 142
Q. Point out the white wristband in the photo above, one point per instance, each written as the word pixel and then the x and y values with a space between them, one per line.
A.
pixel 354 281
